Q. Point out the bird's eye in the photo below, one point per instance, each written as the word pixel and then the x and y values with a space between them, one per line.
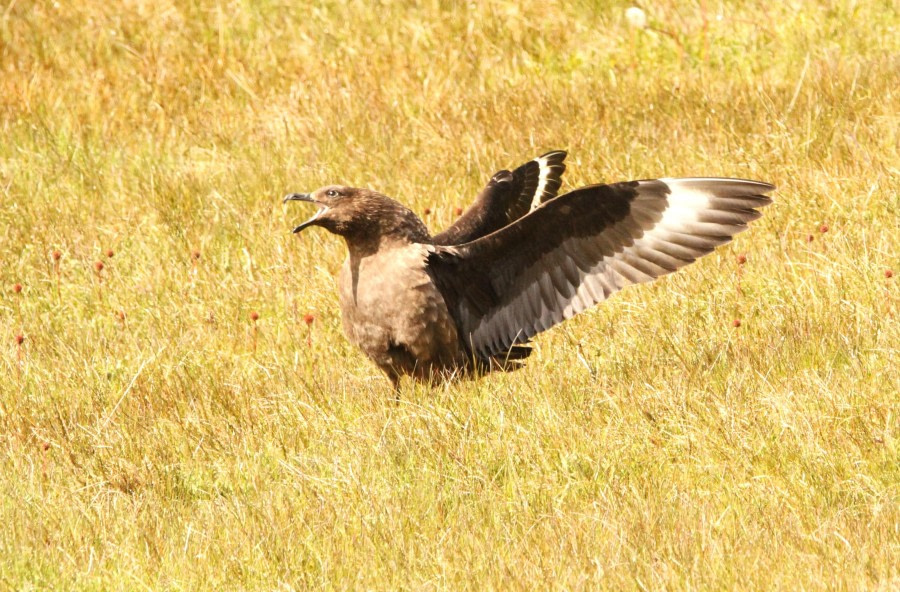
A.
pixel 331 193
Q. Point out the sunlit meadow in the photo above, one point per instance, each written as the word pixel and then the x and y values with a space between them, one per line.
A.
pixel 180 411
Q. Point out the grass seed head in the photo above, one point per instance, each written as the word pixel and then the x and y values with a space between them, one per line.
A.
pixel 308 318
pixel 736 323
pixel 636 17
pixel 99 266
pixel 20 339
pixel 56 255
pixel 17 288
pixel 888 273
pixel 110 253
pixel 823 228
pixel 254 316
pixel 741 259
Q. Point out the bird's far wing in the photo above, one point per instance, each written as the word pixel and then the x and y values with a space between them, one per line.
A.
pixel 507 197
pixel 541 180
pixel 576 250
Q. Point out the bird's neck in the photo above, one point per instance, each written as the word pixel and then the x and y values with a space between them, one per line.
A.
pixel 360 247
pixel 398 230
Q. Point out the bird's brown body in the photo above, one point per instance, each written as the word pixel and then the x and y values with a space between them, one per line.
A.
pixel 392 310
pixel 518 262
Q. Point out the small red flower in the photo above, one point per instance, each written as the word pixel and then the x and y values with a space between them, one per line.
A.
pixel 195 254
pixel 810 238
pixel 57 255
pixel 99 266
pixel 888 273
pixel 121 315
pixel 110 253
pixel 823 228
pixel 46 446
pixel 17 288
pixel 736 323
pixel 308 318
pixel 427 211
pixel 457 210
pixel 20 339
pixel 254 316
pixel 741 259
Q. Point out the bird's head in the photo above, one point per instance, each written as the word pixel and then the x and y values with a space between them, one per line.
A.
pixel 361 215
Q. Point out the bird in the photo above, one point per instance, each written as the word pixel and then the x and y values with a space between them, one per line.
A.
pixel 520 260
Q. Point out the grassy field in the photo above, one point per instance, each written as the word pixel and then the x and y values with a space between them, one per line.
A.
pixel 154 436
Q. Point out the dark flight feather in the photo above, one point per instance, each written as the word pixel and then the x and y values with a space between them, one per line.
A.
pixel 507 197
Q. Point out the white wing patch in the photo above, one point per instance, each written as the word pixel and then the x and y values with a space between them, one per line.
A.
pixel 543 176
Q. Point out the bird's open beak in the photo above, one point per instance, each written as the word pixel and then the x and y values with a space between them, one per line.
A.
pixel 305 197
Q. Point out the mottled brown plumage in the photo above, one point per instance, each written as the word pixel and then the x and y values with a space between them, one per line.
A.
pixel 516 263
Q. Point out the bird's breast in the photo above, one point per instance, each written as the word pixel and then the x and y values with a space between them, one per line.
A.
pixel 388 300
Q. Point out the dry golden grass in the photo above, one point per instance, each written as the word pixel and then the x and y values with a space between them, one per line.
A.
pixel 153 436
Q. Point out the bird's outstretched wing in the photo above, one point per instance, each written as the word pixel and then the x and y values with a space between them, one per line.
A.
pixel 576 250
pixel 507 197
